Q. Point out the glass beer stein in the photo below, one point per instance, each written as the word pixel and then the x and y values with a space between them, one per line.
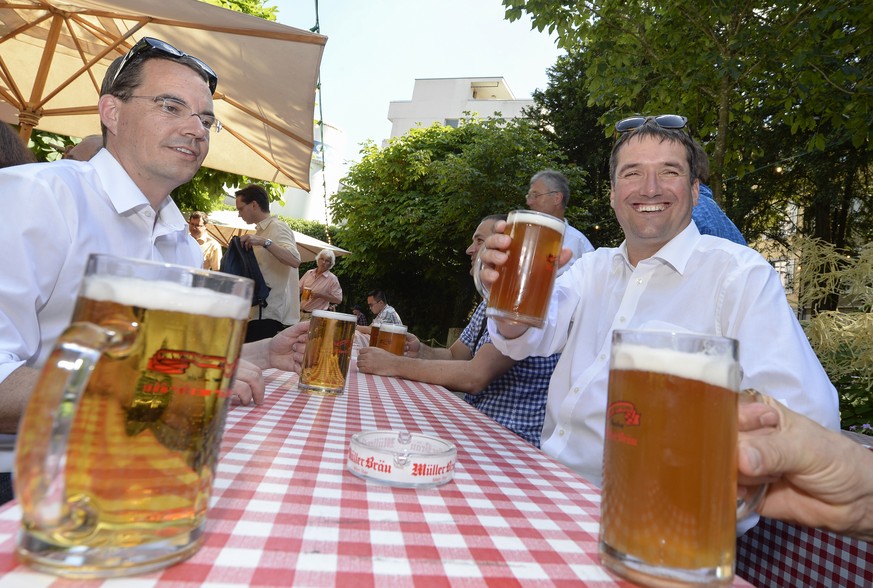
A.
pixel 328 353
pixel 116 451
pixel 392 338
pixel 669 504
pixel 521 293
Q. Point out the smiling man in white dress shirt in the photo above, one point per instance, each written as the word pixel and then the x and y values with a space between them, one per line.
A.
pixel 666 276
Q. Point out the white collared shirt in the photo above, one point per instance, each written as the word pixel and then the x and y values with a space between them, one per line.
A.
pixel 577 243
pixel 54 216
pixel 283 303
pixel 694 283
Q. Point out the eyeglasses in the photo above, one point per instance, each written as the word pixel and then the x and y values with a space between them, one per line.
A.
pixel 665 121
pixel 535 195
pixel 151 44
pixel 179 109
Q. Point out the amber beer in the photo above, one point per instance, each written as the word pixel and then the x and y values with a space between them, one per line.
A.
pixel 669 462
pixel 328 353
pixel 374 333
pixel 306 294
pixel 392 338
pixel 521 293
pixel 141 449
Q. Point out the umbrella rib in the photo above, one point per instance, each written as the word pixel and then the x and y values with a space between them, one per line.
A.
pixel 308 38
pixel 95 59
pixel 263 156
pixel 6 74
pixel 269 123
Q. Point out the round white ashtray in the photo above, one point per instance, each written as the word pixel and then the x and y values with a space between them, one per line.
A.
pixel 398 458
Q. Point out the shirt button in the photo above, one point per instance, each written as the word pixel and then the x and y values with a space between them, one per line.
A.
pixel 639 281
pixel 560 432
pixel 622 319
pixel 575 390
pixel 602 357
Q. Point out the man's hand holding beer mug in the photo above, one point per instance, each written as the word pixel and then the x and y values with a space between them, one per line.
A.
pixel 526 242
pixel 817 477
pixel 283 351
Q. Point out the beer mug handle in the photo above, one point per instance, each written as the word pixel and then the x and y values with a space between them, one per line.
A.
pixel 65 377
pixel 477 268
pixel 746 507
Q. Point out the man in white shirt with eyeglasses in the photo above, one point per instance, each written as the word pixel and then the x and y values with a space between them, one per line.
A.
pixel 549 193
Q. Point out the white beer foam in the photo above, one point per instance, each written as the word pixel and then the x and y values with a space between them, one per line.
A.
pixel 385 328
pixel 533 218
pixel 717 370
pixel 164 295
pixel 340 316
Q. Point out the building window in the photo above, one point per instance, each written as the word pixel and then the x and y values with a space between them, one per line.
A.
pixel 451 122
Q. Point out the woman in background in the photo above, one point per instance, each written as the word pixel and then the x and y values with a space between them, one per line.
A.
pixel 319 288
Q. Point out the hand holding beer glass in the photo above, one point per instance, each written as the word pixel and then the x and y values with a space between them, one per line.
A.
pixel 521 291
pixel 669 504
pixel 117 447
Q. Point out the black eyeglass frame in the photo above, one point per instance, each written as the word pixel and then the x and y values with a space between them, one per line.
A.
pixel 665 121
pixel 152 44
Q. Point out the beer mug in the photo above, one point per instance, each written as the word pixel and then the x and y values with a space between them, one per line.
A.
pixel 374 332
pixel 522 291
pixel 306 294
pixel 328 353
pixel 669 504
pixel 117 447
pixel 392 338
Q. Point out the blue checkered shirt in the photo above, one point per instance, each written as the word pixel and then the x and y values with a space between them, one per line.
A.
pixel 711 219
pixel 517 399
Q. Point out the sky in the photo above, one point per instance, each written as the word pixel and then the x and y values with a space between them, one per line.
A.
pixel 377 48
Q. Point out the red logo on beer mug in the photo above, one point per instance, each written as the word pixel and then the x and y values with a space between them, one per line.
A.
pixel 623 414
pixel 552 259
pixel 177 362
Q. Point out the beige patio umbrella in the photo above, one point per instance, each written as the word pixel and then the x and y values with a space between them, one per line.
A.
pixel 224 224
pixel 53 56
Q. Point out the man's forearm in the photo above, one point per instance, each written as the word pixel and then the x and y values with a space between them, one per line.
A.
pixel 428 352
pixel 452 374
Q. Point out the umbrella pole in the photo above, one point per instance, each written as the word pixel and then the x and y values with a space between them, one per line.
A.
pixel 26 122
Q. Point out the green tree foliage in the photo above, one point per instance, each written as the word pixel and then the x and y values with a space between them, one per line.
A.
pixel 408 211
pixel 843 339
pixel 562 113
pixel 761 83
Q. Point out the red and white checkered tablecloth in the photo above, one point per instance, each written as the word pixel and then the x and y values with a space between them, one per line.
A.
pixel 286 512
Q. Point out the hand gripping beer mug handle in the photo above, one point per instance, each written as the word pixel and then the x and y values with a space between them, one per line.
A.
pixel 65 378
pixel 746 507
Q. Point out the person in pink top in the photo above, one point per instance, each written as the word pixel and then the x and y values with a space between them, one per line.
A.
pixel 324 287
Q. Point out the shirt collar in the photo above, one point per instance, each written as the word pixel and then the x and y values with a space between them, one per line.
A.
pixel 675 253
pixel 125 195
pixel 265 223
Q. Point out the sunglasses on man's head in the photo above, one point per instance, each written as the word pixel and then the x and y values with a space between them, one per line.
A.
pixel 665 121
pixel 152 44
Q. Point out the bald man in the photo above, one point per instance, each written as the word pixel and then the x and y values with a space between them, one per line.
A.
pixel 85 149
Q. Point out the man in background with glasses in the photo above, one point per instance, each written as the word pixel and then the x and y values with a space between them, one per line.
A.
pixel 664 276
pixel 197 222
pixel 549 193
pixel 157 117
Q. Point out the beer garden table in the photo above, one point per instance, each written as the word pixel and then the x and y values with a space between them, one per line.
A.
pixel 286 512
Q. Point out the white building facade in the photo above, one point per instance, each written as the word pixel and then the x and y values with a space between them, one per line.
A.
pixel 325 172
pixel 447 100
